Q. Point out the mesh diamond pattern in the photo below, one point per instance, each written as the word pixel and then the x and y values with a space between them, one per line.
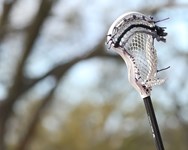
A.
pixel 144 57
pixel 132 36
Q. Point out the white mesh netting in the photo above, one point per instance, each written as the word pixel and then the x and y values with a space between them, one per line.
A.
pixel 143 54
pixel 132 36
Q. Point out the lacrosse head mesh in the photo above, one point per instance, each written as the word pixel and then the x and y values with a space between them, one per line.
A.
pixel 132 37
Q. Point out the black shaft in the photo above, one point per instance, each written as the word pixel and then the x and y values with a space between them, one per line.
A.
pixel 153 123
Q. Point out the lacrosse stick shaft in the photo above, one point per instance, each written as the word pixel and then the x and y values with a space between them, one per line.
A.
pixel 153 123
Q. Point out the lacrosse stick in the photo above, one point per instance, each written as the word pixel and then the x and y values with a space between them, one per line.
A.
pixel 132 37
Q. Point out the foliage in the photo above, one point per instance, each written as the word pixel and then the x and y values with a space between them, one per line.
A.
pixel 61 90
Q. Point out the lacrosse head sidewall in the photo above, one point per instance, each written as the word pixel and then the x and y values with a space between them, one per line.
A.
pixel 149 31
pixel 131 74
pixel 119 19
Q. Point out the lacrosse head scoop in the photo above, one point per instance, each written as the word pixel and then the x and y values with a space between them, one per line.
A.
pixel 132 36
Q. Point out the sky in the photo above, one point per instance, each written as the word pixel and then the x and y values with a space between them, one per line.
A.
pixel 176 26
pixel 91 24
pixel 65 36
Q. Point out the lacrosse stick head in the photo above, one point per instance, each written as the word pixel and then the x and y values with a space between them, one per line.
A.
pixel 132 37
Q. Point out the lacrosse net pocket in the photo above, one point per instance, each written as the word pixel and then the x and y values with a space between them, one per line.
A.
pixel 132 36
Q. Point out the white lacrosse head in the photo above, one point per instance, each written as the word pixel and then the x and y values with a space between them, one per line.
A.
pixel 132 37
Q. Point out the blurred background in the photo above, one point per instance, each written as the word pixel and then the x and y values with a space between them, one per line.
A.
pixel 60 89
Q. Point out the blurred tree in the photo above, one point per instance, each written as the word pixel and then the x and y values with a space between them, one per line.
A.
pixel 41 107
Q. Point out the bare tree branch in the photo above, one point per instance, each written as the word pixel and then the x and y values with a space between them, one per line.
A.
pixel 7 8
pixel 35 119
pixel 57 72
pixel 20 87
pixel 16 89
